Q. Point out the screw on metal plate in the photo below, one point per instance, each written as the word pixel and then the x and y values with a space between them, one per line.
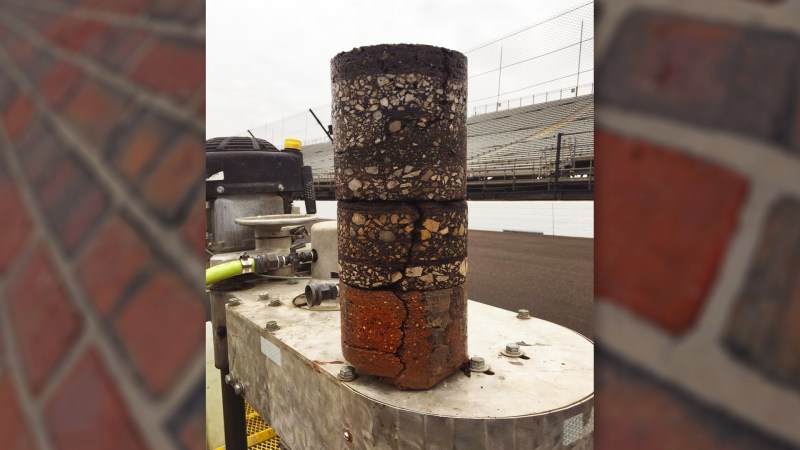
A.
pixel 280 187
pixel 347 373
pixel 234 302
pixel 523 314
pixel 220 189
pixel 228 379
pixel 275 302
pixel 477 364
pixel 272 325
pixel 263 296
pixel 347 435
pixel 512 350
pixel 238 389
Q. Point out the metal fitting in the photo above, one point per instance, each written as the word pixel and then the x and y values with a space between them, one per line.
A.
pixel 477 364
pixel 248 263
pixel 317 292
pixel 512 350
pixel 228 379
pixel 263 296
pixel 347 435
pixel 347 373
pixel 275 302
pixel 523 314
pixel 280 187
pixel 272 325
pixel 238 389
pixel 220 189
pixel 234 302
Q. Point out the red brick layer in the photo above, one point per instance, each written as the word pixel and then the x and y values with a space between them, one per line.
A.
pixel 413 340
pixel 662 229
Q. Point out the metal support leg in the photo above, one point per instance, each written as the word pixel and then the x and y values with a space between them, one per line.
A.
pixel 233 413
pixel 233 417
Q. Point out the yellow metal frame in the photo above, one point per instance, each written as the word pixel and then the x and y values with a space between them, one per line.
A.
pixel 260 436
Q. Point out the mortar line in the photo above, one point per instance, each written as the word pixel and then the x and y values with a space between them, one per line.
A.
pixel 139 94
pixel 170 242
pixel 134 22
pixel 141 409
pixel 27 405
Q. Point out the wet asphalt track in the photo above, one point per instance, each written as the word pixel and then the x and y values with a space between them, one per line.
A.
pixel 551 276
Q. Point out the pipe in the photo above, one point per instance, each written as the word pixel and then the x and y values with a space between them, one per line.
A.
pixel 222 271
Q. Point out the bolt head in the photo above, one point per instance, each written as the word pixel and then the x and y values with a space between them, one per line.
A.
pixel 280 187
pixel 347 435
pixel 512 348
pixel 274 302
pixel 234 302
pixel 477 364
pixel 272 325
pixel 228 379
pixel 347 373
pixel 263 296
pixel 523 314
pixel 238 389
pixel 220 189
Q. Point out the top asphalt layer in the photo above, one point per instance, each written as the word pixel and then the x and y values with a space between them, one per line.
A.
pixel 399 58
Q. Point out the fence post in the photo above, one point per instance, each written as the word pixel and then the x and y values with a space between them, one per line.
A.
pixel 558 161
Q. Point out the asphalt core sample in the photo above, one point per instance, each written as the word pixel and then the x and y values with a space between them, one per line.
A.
pixel 399 122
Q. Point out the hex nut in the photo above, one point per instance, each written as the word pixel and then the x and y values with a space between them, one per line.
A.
pixel 272 325
pixel 347 373
pixel 263 296
pixel 275 302
pixel 478 364
pixel 228 379
pixel 523 314
pixel 512 350
pixel 234 302
pixel 220 189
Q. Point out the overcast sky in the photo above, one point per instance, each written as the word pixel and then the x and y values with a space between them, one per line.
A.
pixel 268 59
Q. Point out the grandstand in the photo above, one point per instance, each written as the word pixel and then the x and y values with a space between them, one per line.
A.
pixel 538 151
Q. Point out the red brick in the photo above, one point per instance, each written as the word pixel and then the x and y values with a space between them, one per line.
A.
pixel 193 433
pixel 16 226
pixel 179 71
pixel 18 115
pixel 44 321
pixel 54 188
pixel 87 411
pixel 139 150
pixel 15 433
pixel 194 228
pixel 701 72
pixel 662 230
pixel 84 213
pixel 636 412
pixel 59 82
pixel 179 170
pixel 95 110
pixel 164 311
pixel 73 33
pixel 764 325
pixel 104 282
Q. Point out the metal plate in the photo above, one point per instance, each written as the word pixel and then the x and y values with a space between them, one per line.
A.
pixel 545 401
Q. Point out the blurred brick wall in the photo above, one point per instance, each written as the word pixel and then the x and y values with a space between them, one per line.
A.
pixel 698 224
pixel 101 189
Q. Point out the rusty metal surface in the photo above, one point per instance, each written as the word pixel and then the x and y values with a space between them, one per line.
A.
pixel 289 376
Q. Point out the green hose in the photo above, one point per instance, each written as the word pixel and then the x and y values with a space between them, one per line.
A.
pixel 222 271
